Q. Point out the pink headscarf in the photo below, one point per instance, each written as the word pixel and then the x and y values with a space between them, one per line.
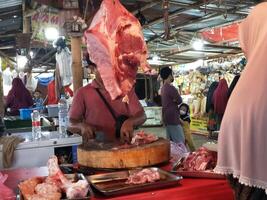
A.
pixel 242 143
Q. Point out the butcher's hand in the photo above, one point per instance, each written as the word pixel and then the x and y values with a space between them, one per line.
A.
pixel 87 132
pixel 127 130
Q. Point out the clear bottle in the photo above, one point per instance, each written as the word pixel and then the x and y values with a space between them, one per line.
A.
pixel 63 119
pixel 36 125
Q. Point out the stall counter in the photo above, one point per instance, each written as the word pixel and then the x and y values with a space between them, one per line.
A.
pixel 190 189
pixel 36 153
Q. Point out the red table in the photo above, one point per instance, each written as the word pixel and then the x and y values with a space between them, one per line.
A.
pixel 190 189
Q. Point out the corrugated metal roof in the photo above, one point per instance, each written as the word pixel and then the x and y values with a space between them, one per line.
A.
pixel 9 3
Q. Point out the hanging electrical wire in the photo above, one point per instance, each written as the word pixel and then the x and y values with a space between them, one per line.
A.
pixel 166 19
pixel 86 8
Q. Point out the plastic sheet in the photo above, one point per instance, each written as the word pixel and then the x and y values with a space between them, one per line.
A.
pixel 5 192
pixel 178 151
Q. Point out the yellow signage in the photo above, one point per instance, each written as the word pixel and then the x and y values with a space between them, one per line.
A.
pixel 199 125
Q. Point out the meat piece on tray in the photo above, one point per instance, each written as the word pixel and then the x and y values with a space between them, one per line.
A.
pixel 116 44
pixel 27 187
pixel 50 196
pixel 46 188
pixel 77 190
pixel 51 188
pixel 200 160
pixel 143 176
pixel 73 190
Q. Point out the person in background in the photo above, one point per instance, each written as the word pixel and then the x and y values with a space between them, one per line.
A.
pixel 170 112
pixel 54 89
pixel 157 99
pixel 242 143
pixel 18 97
pixel 185 121
pixel 89 115
pixel 210 108
pixel 220 99
pixel 38 101
pixel 52 98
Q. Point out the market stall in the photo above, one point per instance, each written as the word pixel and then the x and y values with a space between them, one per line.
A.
pixel 195 79
pixel 86 73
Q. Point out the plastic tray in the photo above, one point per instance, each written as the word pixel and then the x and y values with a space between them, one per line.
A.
pixel 199 174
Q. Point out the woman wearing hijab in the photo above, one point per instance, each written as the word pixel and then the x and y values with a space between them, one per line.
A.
pixel 243 140
pixel 210 108
pixel 18 97
pixel 220 99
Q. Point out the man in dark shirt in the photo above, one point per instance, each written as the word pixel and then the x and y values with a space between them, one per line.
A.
pixel 170 111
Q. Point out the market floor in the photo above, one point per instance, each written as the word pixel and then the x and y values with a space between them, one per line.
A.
pixel 199 140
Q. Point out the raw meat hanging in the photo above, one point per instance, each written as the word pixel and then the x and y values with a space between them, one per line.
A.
pixel 115 43
pixel 143 176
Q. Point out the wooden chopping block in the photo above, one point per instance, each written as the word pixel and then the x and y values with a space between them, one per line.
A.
pixel 139 156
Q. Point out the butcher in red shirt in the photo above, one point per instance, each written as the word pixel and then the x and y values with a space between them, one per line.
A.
pixel 90 114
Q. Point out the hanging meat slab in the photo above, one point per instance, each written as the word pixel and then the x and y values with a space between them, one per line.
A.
pixel 116 44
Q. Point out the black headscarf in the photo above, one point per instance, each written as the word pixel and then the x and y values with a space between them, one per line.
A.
pixel 89 62
pixel 233 84
pixel 209 104
pixel 165 72
pixel 186 116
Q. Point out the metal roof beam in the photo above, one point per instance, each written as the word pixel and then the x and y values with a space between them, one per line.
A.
pixel 6 56
pixel 190 48
pixel 7 35
pixel 174 14
pixel 210 9
pixel 221 47
pixel 193 21
pixel 147 6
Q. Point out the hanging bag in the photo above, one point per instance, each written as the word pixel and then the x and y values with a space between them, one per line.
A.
pixel 119 120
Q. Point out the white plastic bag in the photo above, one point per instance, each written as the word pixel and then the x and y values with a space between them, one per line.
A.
pixel 64 61
pixel 178 151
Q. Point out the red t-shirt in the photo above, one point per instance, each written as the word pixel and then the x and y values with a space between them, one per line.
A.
pixel 51 92
pixel 88 105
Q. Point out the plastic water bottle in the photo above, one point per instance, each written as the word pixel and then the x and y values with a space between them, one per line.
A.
pixel 36 125
pixel 63 119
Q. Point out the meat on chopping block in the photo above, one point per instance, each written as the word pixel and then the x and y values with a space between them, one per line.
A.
pixel 117 158
pixel 140 138
pixel 143 138
pixel 115 43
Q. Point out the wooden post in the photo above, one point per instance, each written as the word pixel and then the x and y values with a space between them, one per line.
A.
pixel 26 20
pixel 77 70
